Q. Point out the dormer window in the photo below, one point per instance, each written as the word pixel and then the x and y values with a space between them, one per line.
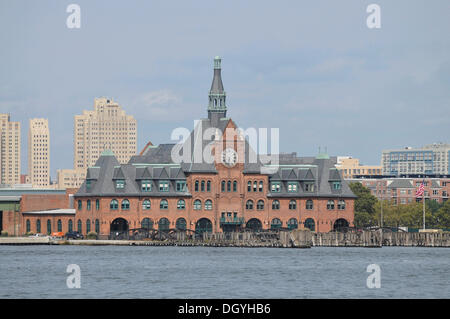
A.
pixel 275 187
pixel 164 186
pixel 181 186
pixel 120 183
pixel 88 184
pixel 336 185
pixel 146 186
pixel 292 187
pixel 309 187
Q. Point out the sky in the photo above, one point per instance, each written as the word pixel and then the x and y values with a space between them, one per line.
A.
pixel 313 69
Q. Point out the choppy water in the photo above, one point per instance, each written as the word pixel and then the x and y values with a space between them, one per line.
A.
pixel 205 272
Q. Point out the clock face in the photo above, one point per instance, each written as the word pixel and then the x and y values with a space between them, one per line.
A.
pixel 229 157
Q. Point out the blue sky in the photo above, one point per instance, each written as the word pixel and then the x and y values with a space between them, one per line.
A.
pixel 311 68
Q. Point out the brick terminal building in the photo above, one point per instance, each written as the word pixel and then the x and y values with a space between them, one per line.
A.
pixel 230 193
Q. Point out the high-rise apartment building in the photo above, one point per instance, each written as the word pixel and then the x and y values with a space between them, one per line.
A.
pixel 39 153
pixel 106 127
pixel 9 150
pixel 431 159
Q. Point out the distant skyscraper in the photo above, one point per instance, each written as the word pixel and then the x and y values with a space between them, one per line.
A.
pixel 106 127
pixel 39 153
pixel 9 150
pixel 431 159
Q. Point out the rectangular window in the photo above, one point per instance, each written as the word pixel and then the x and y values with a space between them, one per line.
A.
pixel 275 187
pixel 120 183
pixel 88 184
pixel 164 186
pixel 181 186
pixel 292 187
pixel 146 186
pixel 336 185
pixel 309 187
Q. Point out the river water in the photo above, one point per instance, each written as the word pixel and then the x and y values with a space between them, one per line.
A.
pixel 206 272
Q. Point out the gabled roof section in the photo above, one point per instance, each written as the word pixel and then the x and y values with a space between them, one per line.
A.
pixel 93 173
pixel 118 173
pixel 334 175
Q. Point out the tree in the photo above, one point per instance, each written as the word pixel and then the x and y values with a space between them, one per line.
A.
pixel 442 217
pixel 364 206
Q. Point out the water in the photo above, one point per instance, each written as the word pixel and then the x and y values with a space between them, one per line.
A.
pixel 205 272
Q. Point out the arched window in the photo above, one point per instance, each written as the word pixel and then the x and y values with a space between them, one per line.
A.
pixel 197 204
pixel 208 186
pixel 330 204
pixel 49 226
pixel 292 204
pixel 202 188
pixel 229 186
pixel 114 204
pixel 249 204
pixel 164 224
pixel 208 204
pixel 309 223
pixel 80 205
pixel 88 204
pixel 147 223
pixel 292 223
pixel 38 226
pixel 276 223
pixel 28 226
pixel 97 204
pixel 341 204
pixel 146 204
pixel 222 186
pixel 234 186
pixel 59 225
pixel 276 204
pixel 97 226
pixel 70 226
pixel 88 226
pixel 196 186
pixel 249 186
pixel 181 204
pixel 261 186
pixel 309 204
pixel 255 186
pixel 79 226
pixel 164 204
pixel 126 204
pixel 180 224
pixel 260 205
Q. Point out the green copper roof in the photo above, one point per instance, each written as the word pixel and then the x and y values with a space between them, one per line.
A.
pixel 322 156
pixel 107 153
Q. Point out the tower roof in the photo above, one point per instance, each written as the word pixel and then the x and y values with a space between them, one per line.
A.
pixel 217 85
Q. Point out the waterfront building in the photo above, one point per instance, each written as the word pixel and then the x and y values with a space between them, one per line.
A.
pixel 9 151
pixel 229 193
pixel 403 190
pixel 24 209
pixel 430 160
pixel 106 127
pixel 351 167
pixel 39 153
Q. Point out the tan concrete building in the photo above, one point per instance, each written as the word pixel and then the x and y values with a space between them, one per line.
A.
pixel 9 150
pixel 39 153
pixel 106 127
pixel 70 178
pixel 351 167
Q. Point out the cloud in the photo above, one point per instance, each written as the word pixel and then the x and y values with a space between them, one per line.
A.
pixel 158 106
